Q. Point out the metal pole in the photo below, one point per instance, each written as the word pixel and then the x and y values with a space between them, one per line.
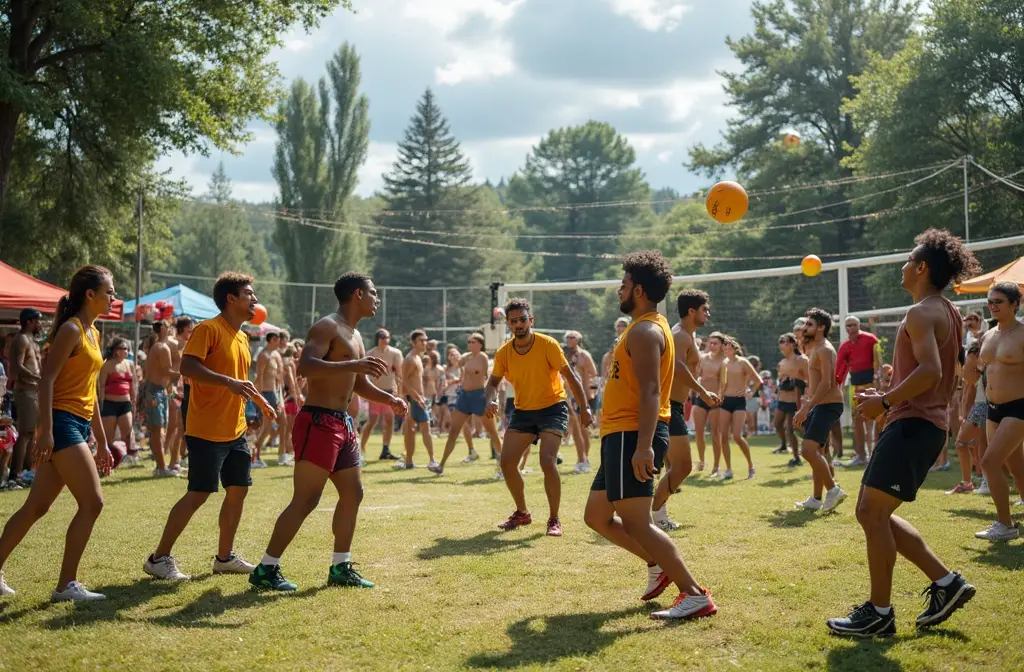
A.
pixel 444 316
pixel 138 272
pixel 312 308
pixel 967 203
pixel 383 308
pixel 844 299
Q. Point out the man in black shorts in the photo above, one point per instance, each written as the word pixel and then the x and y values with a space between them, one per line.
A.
pixel 634 430
pixel 694 312
pixel 823 410
pixel 216 359
pixel 927 350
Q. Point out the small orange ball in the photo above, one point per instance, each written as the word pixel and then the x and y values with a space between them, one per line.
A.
pixel 811 265
pixel 727 202
pixel 261 315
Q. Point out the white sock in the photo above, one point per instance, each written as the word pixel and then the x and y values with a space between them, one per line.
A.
pixel 946 580
pixel 337 558
pixel 270 561
pixel 661 514
pixel 884 611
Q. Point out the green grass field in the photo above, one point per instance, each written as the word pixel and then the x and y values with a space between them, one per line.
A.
pixel 454 593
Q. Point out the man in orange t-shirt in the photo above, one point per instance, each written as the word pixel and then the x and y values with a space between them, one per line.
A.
pixel 216 360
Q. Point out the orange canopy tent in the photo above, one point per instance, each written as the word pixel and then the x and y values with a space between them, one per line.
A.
pixel 1012 272
pixel 19 290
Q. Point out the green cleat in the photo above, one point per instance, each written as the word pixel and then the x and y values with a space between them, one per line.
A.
pixel 342 574
pixel 269 577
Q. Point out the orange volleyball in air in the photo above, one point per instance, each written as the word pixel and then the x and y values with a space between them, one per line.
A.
pixel 811 265
pixel 261 315
pixel 727 202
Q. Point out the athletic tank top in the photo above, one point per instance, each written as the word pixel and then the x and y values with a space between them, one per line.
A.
pixel 930 405
pixel 621 409
pixel 74 390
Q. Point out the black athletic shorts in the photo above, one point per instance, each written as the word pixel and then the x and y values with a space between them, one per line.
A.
pixel 865 377
pixel 734 404
pixel 820 420
pixel 1009 409
pixel 904 452
pixel 787 407
pixel 230 462
pixel 114 409
pixel 554 419
pixel 615 475
pixel 700 403
pixel 677 425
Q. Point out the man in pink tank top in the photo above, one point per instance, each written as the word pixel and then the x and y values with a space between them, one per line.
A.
pixel 928 347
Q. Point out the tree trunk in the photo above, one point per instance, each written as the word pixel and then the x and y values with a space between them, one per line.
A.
pixel 9 115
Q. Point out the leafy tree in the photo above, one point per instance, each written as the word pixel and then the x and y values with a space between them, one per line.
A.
pixel 88 76
pixel 323 138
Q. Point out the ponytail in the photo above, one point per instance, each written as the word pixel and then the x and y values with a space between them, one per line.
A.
pixel 84 279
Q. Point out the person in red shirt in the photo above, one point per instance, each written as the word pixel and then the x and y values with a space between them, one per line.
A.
pixel 859 356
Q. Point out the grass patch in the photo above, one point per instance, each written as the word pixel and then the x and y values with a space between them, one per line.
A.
pixel 454 593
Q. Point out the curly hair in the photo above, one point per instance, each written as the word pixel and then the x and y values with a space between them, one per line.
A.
pixel 690 298
pixel 821 319
pixel 517 304
pixel 227 283
pixel 947 258
pixel 649 270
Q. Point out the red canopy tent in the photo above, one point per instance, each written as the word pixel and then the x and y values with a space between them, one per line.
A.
pixel 19 290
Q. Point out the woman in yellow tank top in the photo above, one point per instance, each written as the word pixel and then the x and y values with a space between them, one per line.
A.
pixel 67 409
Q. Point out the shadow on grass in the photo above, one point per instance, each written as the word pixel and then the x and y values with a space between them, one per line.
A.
pixel 424 478
pixel 863 654
pixel 485 543
pixel 976 514
pixel 543 640
pixel 136 478
pixel 999 554
pixel 119 598
pixel 213 603
pixel 788 518
pixel 782 483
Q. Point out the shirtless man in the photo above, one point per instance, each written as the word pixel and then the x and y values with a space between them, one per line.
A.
pixel 175 425
pixel 822 410
pixel 1002 354
pixel 412 391
pixel 160 372
pixel 470 400
pixel 694 312
pixel 582 363
pixel 269 378
pixel 25 374
pixel 335 364
pixel 709 372
pixel 389 382
pixel 792 384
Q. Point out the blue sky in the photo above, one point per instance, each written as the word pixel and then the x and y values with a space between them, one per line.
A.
pixel 505 72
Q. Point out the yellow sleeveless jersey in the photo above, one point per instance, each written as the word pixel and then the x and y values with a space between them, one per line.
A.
pixel 74 389
pixel 620 411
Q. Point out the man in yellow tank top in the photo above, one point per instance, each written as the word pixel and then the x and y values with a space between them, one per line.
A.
pixel 634 438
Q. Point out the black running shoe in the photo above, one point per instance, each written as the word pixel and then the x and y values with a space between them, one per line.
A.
pixel 944 600
pixel 780 450
pixel 795 462
pixel 864 621
pixel 387 455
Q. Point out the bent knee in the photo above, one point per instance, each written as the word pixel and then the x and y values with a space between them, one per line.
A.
pixel 91 506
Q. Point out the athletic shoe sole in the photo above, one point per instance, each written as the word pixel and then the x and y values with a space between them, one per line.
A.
pixel 658 589
pixel 859 635
pixel 709 610
pixel 962 597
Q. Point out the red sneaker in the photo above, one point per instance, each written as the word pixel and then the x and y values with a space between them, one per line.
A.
pixel 517 519
pixel 554 528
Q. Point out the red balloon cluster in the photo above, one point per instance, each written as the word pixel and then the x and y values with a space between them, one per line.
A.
pixel 161 310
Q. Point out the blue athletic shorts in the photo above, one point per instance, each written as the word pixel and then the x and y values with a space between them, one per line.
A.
pixel 69 430
pixel 471 402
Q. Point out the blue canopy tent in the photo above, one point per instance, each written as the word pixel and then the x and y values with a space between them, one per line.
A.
pixel 186 301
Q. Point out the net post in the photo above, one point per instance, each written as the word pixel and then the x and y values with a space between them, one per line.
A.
pixel 844 298
pixel 384 307
pixel 502 299
pixel 444 315
pixel 312 308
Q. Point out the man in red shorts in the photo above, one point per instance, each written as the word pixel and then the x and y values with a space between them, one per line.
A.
pixel 859 356
pixel 389 382
pixel 335 365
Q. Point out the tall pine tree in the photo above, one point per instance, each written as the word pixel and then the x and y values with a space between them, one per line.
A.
pixel 323 137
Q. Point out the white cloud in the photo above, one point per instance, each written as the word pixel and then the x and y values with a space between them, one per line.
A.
pixel 379 158
pixel 653 15
pixel 447 15
pixel 664 157
pixel 476 64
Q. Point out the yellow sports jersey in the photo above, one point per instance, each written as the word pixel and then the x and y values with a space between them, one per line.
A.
pixel 620 410
pixel 535 375
pixel 74 389
pixel 214 412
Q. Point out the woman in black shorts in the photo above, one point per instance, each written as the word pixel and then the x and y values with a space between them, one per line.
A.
pixel 116 388
pixel 740 377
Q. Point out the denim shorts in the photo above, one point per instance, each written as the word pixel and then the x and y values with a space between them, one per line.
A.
pixel 69 430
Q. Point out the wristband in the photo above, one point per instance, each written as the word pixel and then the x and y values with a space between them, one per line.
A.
pixel 885 404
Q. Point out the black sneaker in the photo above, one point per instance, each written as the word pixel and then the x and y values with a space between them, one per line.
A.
pixel 780 450
pixel 387 455
pixel 795 462
pixel 864 621
pixel 944 600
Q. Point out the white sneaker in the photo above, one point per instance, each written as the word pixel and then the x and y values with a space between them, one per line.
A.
pixel 752 473
pixel 76 592
pixel 998 532
pixel 727 476
pixel 234 565
pixel 586 467
pixel 499 476
pixel 657 582
pixel 810 503
pixel 400 464
pixel 472 457
pixel 165 473
pixel 165 568
pixel 983 488
pixel 259 464
pixel 5 590
pixel 857 461
pixel 688 606
pixel 833 498
pixel 578 468
pixel 362 462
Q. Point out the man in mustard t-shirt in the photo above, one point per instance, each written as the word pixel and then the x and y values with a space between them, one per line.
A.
pixel 216 360
pixel 534 364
